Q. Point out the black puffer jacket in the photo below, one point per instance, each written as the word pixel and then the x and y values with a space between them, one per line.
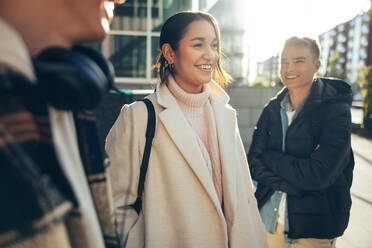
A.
pixel 317 180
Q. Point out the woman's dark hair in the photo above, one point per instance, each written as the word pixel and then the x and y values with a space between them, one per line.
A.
pixel 172 32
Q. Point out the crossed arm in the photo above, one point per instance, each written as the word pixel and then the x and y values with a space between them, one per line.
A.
pixel 282 171
pixel 260 172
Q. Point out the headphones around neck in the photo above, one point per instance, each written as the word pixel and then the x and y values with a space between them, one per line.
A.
pixel 73 79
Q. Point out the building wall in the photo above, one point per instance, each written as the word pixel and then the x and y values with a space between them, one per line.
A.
pixel 350 40
pixel 205 5
pixel 269 69
pixel 249 102
pixel 230 16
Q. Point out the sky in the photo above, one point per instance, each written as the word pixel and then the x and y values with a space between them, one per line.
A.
pixel 270 22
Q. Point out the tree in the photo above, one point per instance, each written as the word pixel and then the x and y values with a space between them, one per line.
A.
pixel 260 81
pixel 333 67
pixel 366 85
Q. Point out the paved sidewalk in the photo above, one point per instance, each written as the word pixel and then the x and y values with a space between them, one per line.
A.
pixel 356 115
pixel 359 232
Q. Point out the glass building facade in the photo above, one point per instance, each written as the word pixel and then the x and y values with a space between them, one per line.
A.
pixel 350 40
pixel 132 45
pixel 230 15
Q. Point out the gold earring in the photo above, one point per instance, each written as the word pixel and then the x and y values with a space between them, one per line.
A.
pixel 168 65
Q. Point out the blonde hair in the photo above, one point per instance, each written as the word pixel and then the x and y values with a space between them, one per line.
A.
pixel 307 42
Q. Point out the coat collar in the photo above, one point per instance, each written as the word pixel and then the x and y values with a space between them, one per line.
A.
pixel 14 51
pixel 183 136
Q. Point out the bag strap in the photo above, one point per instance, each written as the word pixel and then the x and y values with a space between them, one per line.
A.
pixel 150 132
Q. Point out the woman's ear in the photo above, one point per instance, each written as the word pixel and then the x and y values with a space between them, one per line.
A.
pixel 168 53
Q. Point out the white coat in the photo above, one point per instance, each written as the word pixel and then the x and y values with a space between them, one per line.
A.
pixel 180 205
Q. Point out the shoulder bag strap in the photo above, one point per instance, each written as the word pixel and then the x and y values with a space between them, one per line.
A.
pixel 150 132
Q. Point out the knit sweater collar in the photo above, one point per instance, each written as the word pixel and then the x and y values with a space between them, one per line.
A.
pixel 189 100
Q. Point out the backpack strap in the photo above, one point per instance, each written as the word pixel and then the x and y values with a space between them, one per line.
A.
pixel 150 132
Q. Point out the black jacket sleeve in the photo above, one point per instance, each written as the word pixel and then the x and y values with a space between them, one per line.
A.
pixel 259 171
pixel 327 162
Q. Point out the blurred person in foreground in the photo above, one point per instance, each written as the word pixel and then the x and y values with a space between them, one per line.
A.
pixel 49 150
pixel 197 191
pixel 301 155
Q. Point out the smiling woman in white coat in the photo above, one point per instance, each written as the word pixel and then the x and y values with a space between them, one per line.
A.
pixel 198 191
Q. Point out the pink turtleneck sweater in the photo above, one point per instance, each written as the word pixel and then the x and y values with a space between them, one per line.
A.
pixel 199 113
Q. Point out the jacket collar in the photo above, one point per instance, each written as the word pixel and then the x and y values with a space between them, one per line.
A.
pixel 14 52
pixel 313 99
pixel 315 96
pixel 315 91
pixel 322 90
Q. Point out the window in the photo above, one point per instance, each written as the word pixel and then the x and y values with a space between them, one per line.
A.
pixel 155 51
pixel 132 45
pixel 130 16
pixel 128 55
pixel 365 28
pixel 340 27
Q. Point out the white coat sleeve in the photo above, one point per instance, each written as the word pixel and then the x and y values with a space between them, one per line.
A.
pixel 257 227
pixel 123 148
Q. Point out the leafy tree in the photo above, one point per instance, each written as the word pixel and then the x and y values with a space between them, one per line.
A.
pixel 333 70
pixel 260 81
pixel 366 85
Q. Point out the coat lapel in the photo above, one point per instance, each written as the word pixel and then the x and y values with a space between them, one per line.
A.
pixel 183 137
pixel 226 128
